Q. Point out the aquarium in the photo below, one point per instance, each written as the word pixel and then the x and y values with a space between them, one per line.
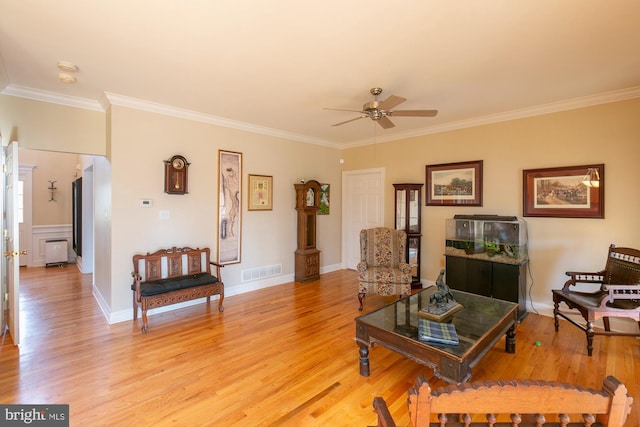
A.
pixel 491 237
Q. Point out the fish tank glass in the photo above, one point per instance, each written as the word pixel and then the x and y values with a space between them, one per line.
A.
pixel 489 237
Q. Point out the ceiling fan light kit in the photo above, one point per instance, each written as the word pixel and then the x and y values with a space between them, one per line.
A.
pixel 380 111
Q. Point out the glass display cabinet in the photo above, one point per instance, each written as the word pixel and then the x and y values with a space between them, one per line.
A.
pixel 408 205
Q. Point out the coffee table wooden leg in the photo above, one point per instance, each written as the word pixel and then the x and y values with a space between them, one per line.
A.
pixel 364 361
pixel 510 345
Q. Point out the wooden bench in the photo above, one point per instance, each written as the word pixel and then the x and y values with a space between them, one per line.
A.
pixel 516 403
pixel 170 276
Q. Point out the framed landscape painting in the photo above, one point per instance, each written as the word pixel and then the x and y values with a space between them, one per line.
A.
pixel 325 194
pixel 564 192
pixel 451 184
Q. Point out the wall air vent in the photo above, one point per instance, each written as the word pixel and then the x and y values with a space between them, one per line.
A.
pixel 261 272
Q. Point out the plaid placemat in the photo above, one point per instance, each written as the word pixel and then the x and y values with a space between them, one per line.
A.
pixel 436 332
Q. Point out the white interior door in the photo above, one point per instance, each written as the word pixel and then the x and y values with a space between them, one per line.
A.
pixel 10 242
pixel 363 207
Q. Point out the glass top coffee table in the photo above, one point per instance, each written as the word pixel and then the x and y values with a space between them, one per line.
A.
pixel 479 325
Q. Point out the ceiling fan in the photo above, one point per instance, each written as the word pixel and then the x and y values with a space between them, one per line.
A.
pixel 380 111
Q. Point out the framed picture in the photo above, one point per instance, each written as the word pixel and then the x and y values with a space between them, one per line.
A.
pixel 230 206
pixel 454 184
pixel 260 193
pixel 564 192
pixel 325 193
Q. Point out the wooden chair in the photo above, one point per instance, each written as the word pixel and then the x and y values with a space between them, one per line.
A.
pixel 618 295
pixel 383 267
pixel 517 403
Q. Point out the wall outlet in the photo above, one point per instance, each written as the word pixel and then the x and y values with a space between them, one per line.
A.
pixel 164 214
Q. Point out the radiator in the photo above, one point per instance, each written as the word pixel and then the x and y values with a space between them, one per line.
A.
pixel 55 252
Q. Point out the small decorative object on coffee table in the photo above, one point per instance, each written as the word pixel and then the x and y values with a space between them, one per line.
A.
pixel 442 305
pixel 437 332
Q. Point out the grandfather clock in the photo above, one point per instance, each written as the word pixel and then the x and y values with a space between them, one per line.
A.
pixel 307 258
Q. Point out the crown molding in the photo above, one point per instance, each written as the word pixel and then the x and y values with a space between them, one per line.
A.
pixel 108 99
pixel 554 107
pixel 152 107
pixel 52 97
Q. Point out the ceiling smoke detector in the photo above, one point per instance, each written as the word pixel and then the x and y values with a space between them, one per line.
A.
pixel 67 67
pixel 66 78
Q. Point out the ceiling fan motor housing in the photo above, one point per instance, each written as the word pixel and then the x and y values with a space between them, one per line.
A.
pixel 380 111
pixel 372 110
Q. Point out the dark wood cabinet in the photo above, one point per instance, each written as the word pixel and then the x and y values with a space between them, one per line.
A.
pixel 307 256
pixel 492 279
pixel 408 205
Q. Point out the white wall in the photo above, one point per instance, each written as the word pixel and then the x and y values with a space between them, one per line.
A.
pixel 141 141
pixel 51 127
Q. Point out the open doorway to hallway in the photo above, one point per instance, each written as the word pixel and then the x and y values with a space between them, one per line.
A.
pixel 47 201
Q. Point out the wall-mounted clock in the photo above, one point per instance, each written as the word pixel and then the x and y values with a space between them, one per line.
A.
pixel 176 175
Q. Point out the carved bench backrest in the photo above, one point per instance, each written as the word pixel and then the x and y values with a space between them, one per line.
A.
pixel 623 266
pixel 520 402
pixel 169 263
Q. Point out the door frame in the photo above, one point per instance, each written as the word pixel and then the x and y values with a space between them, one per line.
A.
pixel 26 176
pixel 346 196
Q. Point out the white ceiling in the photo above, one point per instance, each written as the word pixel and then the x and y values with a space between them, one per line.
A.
pixel 273 65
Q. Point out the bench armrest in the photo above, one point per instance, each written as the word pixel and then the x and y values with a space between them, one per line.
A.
pixel 614 292
pixel 583 277
pixel 136 281
pixel 217 268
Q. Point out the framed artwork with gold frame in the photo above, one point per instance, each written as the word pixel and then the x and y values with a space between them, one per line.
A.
pixel 260 192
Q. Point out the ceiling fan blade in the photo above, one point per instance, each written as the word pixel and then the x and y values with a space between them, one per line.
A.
pixel 385 122
pixel 341 109
pixel 351 120
pixel 413 113
pixel 391 102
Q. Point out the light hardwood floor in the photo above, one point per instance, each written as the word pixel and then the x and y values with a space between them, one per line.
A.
pixel 282 356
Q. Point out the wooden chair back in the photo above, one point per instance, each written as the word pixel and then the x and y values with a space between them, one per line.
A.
pixel 517 403
pixel 623 268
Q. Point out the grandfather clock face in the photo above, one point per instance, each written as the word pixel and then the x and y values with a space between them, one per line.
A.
pixel 311 196
pixel 175 175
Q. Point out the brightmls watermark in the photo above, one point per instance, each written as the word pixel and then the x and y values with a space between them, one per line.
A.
pixel 34 415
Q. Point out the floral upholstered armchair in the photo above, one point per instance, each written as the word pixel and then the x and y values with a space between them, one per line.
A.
pixel 383 269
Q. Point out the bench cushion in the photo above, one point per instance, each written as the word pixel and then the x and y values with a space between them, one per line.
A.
pixel 167 285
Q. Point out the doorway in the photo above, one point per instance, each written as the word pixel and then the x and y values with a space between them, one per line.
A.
pixel 47 178
pixel 363 207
